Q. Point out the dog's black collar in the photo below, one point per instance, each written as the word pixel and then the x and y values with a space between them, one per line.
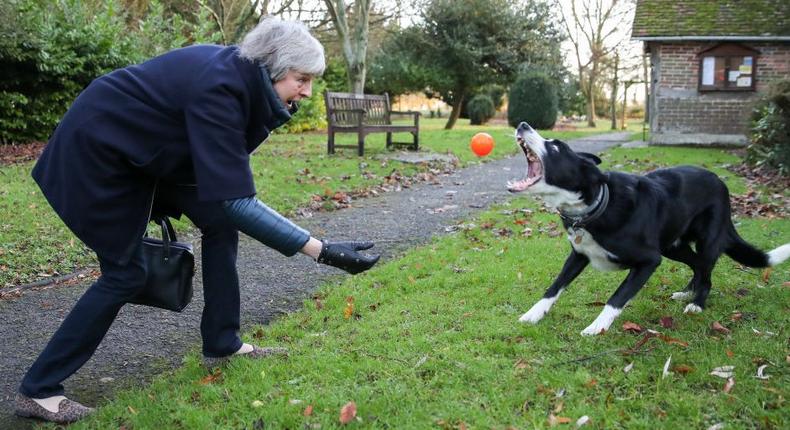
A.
pixel 590 213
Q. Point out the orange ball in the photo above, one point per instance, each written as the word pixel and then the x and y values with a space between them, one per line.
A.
pixel 482 144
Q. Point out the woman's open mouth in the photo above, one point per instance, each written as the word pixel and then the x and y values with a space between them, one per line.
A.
pixel 534 169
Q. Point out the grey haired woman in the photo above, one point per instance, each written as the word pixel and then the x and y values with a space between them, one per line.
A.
pixel 179 127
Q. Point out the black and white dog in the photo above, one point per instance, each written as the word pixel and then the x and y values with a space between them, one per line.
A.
pixel 619 221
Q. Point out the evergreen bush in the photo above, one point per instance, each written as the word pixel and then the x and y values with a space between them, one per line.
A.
pixel 533 99
pixel 770 130
pixel 480 109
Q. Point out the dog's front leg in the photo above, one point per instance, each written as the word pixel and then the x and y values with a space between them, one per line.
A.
pixel 626 291
pixel 574 265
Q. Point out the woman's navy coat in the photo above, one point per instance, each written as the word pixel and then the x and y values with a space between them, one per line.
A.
pixel 192 115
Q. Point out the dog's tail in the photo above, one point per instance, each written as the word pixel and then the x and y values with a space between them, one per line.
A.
pixel 746 254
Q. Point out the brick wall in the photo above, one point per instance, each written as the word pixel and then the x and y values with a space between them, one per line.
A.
pixel 679 108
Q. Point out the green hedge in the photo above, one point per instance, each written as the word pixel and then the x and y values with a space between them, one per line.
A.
pixel 51 50
pixel 533 99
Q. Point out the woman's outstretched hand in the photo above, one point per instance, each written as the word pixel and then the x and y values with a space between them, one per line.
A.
pixel 345 255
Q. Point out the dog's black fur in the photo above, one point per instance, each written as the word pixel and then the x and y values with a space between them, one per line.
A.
pixel 662 213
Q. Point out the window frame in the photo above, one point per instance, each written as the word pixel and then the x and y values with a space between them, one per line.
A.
pixel 727 52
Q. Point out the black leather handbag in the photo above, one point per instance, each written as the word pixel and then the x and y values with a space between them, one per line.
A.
pixel 171 266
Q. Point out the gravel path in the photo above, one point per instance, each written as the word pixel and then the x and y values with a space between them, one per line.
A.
pixel 144 342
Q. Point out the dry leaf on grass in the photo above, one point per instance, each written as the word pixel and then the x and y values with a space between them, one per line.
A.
pixel 683 369
pixel 555 420
pixel 628 368
pixel 667 322
pixel 766 274
pixel 632 327
pixel 308 411
pixel 212 377
pixel 348 413
pixel 349 309
pixel 665 372
pixel 760 374
pixel 723 371
pixel 718 328
pixel 728 385
pixel 582 421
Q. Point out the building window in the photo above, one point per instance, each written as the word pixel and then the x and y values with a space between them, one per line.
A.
pixel 727 67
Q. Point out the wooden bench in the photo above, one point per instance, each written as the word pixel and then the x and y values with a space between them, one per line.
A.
pixel 364 114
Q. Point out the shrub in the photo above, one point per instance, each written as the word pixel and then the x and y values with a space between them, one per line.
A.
pixel 533 99
pixel 770 130
pixel 480 109
pixel 52 54
pixel 311 114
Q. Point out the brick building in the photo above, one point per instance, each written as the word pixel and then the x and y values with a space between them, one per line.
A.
pixel 710 60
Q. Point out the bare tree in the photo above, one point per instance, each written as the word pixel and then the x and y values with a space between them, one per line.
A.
pixel 352 25
pixel 233 17
pixel 595 28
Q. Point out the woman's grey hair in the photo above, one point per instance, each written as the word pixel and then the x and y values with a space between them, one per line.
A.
pixel 282 46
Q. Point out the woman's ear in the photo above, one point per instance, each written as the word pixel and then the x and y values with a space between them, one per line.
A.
pixel 592 157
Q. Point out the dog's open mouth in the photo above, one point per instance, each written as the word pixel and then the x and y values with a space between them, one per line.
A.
pixel 534 169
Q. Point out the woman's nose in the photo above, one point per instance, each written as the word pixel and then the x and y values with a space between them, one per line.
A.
pixel 307 90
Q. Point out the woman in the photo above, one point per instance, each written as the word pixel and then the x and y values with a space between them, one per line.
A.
pixel 179 127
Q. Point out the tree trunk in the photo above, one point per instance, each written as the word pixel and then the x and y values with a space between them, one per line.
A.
pixel 590 103
pixel 456 112
pixel 353 41
pixel 614 92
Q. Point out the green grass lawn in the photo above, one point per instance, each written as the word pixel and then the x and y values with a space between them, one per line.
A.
pixel 431 340
pixel 289 171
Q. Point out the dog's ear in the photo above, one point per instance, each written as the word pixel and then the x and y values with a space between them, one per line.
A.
pixel 591 157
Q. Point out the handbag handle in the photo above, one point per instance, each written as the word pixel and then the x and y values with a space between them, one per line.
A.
pixel 168 235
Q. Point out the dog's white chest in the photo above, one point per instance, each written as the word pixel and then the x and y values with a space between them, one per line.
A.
pixel 584 243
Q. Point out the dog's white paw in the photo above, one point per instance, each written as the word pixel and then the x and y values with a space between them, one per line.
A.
pixel 537 311
pixel 595 329
pixel 691 308
pixel 682 296
pixel 602 323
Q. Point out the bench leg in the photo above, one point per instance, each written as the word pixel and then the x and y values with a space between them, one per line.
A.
pixel 416 145
pixel 361 144
pixel 389 140
pixel 330 144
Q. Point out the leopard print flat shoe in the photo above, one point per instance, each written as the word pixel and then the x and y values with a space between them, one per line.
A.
pixel 69 411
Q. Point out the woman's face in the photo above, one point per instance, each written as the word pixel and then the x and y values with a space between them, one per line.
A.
pixel 294 87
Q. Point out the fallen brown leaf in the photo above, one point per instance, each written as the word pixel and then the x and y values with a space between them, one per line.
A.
pixel 349 309
pixel 729 353
pixel 766 274
pixel 667 322
pixel 308 411
pixel 348 413
pixel 632 327
pixel 212 377
pixel 717 327
pixel 671 340
pixel 555 420
pixel 736 316
pixel 682 369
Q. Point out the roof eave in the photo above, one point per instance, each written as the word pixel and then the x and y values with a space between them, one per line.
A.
pixel 709 38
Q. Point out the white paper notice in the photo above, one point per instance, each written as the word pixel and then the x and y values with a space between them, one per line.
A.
pixel 708 66
pixel 734 75
pixel 744 81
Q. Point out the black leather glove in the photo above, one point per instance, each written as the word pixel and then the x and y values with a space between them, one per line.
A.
pixel 344 255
